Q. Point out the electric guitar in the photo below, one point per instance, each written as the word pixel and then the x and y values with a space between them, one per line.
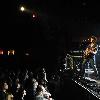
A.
pixel 89 51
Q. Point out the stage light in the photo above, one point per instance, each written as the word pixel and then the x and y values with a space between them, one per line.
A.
pixel 11 52
pixel 34 15
pixel 22 8
pixel 1 52
pixel 27 54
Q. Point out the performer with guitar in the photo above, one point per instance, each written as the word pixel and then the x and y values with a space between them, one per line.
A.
pixel 88 55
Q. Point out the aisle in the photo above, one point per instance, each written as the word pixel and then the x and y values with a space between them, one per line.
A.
pixel 72 90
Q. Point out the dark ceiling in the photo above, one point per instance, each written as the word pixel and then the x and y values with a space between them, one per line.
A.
pixel 57 21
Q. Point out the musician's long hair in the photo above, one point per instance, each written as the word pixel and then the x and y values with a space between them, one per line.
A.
pixel 94 38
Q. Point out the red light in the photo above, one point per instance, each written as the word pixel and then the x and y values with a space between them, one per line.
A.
pixel 1 52
pixel 34 15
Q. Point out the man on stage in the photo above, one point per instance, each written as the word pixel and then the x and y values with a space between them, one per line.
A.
pixel 89 54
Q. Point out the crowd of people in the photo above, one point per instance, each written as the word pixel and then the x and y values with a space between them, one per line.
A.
pixel 23 85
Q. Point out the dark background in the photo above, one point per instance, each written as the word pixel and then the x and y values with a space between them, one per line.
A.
pixel 58 27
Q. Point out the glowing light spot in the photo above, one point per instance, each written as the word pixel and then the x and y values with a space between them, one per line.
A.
pixel 27 54
pixel 1 52
pixel 22 8
pixel 11 52
pixel 34 15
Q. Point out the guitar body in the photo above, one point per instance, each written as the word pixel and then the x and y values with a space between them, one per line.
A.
pixel 90 51
pixel 10 97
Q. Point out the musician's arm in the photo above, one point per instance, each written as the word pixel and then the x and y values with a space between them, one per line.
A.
pixel 96 49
